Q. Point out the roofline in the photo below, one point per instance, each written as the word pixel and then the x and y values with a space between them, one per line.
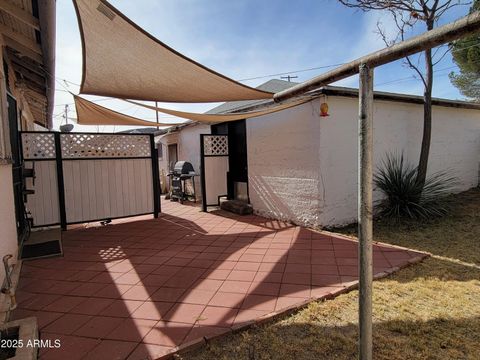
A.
pixel 388 96
pixel 377 95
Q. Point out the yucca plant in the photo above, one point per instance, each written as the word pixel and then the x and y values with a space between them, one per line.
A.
pixel 403 197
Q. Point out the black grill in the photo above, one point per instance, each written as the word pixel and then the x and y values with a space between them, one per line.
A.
pixel 182 171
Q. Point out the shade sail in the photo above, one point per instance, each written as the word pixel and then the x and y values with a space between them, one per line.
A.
pixel 122 60
pixel 218 118
pixel 89 113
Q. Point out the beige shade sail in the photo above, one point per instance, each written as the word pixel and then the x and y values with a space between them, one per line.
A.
pixel 89 113
pixel 218 118
pixel 122 60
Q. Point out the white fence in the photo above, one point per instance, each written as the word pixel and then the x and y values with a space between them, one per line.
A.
pixel 82 177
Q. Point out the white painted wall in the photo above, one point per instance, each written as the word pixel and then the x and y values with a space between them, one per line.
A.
pixel 188 145
pixel 8 237
pixel 283 160
pixel 303 167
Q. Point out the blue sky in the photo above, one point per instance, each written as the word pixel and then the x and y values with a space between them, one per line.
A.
pixel 246 38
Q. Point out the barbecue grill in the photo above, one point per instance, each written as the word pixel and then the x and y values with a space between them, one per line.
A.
pixel 182 171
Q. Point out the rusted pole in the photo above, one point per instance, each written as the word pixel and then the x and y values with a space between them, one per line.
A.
pixel 430 39
pixel 365 209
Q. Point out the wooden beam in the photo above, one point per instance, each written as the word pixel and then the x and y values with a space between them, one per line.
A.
pixel 30 75
pixel 430 39
pixel 25 41
pixel 22 50
pixel 20 14
pixel 26 62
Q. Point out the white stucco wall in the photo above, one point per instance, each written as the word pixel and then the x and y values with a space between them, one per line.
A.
pixel 283 161
pixel 8 236
pixel 188 146
pixel 303 167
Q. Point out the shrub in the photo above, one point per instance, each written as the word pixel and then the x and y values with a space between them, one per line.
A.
pixel 403 197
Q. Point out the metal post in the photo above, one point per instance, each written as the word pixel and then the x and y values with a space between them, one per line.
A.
pixel 365 207
pixel 156 115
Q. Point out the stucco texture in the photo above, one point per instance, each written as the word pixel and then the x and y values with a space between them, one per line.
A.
pixel 304 168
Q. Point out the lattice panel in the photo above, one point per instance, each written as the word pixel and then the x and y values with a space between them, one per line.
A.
pixel 38 146
pixel 215 145
pixel 104 146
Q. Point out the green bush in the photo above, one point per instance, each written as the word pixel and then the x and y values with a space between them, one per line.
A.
pixel 404 197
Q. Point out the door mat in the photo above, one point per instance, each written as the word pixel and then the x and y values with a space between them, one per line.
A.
pixel 41 250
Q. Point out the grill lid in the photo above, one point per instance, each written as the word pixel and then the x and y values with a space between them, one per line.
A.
pixel 183 167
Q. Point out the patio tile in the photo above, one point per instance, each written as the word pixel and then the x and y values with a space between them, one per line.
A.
pixel 39 301
pixel 184 313
pixel 67 324
pixel 217 316
pixel 285 302
pixel 325 269
pixel 240 287
pixel 238 275
pixel 264 288
pixel 112 350
pixel 325 280
pixel 199 331
pixel 139 292
pixel 259 302
pixel 64 304
pixel 296 278
pixel 44 318
pixel 91 306
pixel 132 330
pixel 225 299
pixel 197 296
pixel 72 347
pixel 147 286
pixel 207 284
pixel 152 310
pixel 167 294
pixel 149 352
pixel 295 290
pixel 167 334
pixel 218 274
pixel 98 327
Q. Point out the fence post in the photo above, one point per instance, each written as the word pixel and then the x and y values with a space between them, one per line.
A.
pixel 365 209
pixel 60 181
pixel 155 177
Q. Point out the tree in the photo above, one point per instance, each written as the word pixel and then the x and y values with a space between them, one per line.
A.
pixel 406 15
pixel 466 54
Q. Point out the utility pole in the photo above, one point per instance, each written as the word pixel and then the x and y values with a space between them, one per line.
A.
pixel 288 77
pixel 156 114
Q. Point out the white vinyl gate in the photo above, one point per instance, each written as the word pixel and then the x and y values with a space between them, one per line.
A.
pixel 83 177
pixel 214 168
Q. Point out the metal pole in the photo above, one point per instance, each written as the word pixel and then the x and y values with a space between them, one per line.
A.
pixel 156 114
pixel 430 39
pixel 365 206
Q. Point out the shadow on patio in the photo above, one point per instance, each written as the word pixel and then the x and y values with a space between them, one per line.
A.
pixel 139 289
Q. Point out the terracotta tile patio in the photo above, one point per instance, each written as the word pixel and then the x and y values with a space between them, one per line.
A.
pixel 139 289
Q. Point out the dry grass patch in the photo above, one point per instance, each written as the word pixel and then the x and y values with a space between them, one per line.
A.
pixel 428 311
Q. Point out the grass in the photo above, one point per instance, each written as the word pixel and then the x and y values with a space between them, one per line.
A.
pixel 427 311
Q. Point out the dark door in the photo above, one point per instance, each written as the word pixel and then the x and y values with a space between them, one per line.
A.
pixel 172 156
pixel 16 167
pixel 238 164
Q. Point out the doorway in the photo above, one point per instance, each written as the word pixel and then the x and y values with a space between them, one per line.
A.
pixel 172 156
pixel 237 176
pixel 17 167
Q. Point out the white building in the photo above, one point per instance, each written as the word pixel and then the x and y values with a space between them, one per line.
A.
pixel 302 167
